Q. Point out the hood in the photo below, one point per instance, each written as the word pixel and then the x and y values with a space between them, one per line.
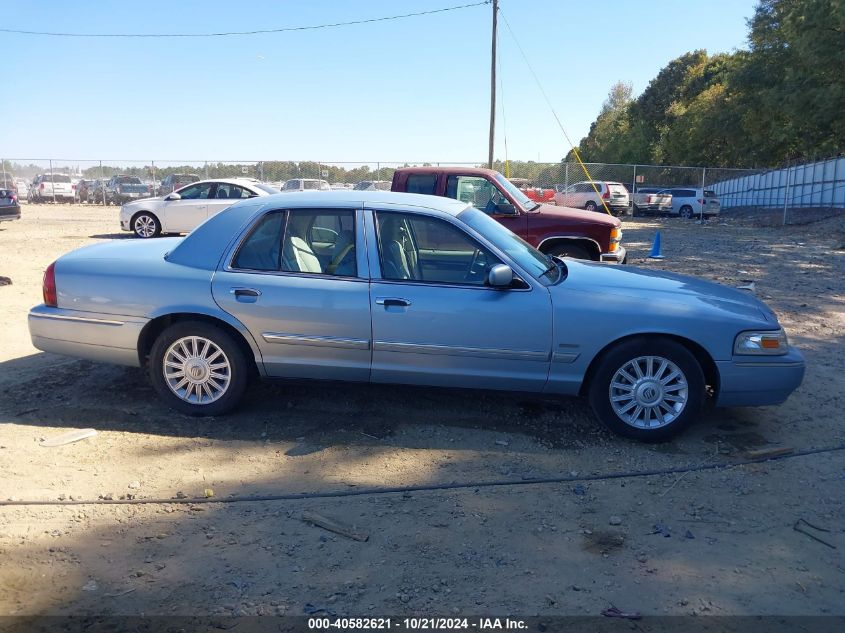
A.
pixel 577 216
pixel 147 203
pixel 659 291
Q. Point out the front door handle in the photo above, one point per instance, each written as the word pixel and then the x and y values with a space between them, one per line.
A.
pixel 392 301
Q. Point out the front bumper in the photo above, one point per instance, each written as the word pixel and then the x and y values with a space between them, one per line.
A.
pixel 89 335
pixel 756 381
pixel 619 256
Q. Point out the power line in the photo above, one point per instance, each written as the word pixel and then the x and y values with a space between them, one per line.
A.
pixel 256 32
pixel 575 151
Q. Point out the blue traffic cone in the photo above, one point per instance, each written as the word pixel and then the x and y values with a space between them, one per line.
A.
pixel 655 248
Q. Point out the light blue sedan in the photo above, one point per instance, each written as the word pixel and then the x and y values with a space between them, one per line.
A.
pixel 374 286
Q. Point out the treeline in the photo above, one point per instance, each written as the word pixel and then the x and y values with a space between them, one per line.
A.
pixel 268 171
pixel 782 99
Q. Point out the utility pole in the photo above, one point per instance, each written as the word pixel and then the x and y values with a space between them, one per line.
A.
pixel 493 86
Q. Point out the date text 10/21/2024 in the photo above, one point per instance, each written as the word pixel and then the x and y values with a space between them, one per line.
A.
pixel 416 624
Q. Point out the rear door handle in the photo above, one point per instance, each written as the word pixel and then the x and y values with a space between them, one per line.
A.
pixel 392 301
pixel 245 294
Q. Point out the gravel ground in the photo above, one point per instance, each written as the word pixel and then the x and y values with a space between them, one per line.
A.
pixel 709 542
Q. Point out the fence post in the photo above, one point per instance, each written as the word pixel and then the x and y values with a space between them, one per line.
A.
pixel 701 204
pixel 206 169
pixel 102 183
pixel 52 184
pixel 786 195
pixel 153 186
pixel 633 191
pixel 566 177
pixel 378 171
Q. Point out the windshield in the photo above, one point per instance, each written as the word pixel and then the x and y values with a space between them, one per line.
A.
pixel 266 188
pixel 520 251
pixel 129 180
pixel 522 200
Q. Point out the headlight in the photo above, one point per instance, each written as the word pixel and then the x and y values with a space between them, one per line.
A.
pixel 770 343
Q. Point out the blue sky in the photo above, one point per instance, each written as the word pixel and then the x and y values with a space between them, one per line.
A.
pixel 406 90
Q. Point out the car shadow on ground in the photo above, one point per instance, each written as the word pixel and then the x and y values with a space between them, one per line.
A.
pixel 111 236
pixel 315 415
pixel 109 397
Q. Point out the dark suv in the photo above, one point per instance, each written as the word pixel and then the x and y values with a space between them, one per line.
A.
pixel 175 181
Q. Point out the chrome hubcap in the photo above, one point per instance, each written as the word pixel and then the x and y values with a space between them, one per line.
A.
pixel 145 226
pixel 648 392
pixel 196 370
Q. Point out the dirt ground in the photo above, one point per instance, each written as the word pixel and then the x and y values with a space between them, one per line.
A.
pixel 708 542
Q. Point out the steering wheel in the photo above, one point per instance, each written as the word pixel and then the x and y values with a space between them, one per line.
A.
pixel 471 273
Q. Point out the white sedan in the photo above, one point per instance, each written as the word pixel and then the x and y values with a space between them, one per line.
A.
pixel 186 208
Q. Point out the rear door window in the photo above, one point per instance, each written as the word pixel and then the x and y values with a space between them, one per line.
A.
pixel 262 250
pixel 421 183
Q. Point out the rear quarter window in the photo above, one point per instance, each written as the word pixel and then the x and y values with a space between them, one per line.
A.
pixel 421 183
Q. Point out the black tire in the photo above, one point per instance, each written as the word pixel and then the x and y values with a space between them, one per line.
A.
pixel 590 206
pixel 616 359
pixel 635 211
pixel 141 222
pixel 686 212
pixel 570 250
pixel 238 372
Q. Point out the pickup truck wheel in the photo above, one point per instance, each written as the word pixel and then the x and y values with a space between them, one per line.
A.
pixel 590 206
pixel 198 369
pixel 647 389
pixel 686 212
pixel 145 225
pixel 569 250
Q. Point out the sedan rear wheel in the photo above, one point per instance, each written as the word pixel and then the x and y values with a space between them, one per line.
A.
pixel 198 369
pixel 647 389
pixel 686 212
pixel 146 225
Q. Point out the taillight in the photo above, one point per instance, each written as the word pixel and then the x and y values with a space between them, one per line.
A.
pixel 606 194
pixel 41 186
pixel 701 201
pixel 73 187
pixel 49 286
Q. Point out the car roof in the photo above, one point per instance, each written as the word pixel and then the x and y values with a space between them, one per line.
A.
pixel 348 198
pixel 479 171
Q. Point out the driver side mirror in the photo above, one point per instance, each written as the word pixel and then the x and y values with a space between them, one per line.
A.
pixel 505 208
pixel 500 276
pixel 173 196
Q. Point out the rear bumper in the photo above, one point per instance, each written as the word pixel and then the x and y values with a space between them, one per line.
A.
pixel 10 213
pixel 89 335
pixel 759 381
pixel 654 208
pixel 619 256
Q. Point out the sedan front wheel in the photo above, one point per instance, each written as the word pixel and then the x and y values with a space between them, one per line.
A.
pixel 146 225
pixel 647 389
pixel 198 368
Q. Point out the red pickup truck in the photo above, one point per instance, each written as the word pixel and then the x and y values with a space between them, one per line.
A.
pixel 552 229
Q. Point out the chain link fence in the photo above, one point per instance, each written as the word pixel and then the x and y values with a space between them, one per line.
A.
pixel 792 189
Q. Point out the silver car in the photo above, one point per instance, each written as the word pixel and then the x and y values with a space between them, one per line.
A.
pixel 184 209
pixel 402 288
